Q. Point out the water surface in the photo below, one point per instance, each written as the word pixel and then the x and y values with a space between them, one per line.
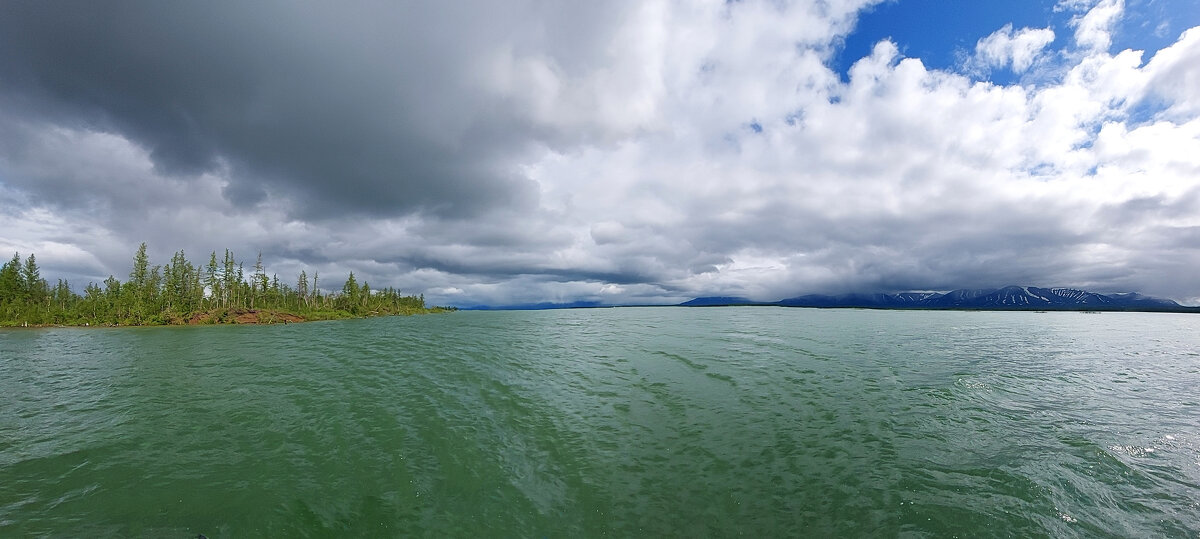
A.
pixel 625 422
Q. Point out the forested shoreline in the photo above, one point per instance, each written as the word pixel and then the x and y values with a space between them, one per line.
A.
pixel 181 292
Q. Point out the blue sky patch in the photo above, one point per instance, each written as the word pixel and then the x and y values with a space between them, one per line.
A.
pixel 943 33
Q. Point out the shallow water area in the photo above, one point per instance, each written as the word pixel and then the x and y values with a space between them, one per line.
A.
pixel 628 422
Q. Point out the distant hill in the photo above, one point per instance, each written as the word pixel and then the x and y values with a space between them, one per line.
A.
pixel 1007 298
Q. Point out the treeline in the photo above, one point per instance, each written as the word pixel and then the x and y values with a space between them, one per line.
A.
pixel 182 292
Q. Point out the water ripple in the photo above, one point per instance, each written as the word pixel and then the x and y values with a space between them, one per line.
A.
pixel 628 422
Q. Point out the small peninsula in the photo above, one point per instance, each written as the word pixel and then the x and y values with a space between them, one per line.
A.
pixel 180 292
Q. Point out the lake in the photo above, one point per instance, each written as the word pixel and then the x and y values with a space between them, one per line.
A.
pixel 751 421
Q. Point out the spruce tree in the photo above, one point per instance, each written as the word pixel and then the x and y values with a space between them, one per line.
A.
pixel 12 287
pixel 36 289
pixel 213 281
pixel 350 293
pixel 259 287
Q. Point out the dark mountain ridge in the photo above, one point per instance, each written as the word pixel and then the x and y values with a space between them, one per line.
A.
pixel 1007 298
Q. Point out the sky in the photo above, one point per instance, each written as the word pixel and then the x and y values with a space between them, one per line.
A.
pixel 618 152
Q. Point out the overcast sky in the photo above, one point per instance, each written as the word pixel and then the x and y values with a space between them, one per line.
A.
pixel 646 151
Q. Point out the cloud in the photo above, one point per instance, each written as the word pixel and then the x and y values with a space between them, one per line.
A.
pixel 615 152
pixel 1019 49
pixel 1175 75
pixel 371 108
pixel 1093 28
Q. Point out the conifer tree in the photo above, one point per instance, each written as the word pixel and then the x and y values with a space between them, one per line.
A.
pixel 12 287
pixel 197 288
pixel 227 277
pixel 212 280
pixel 302 287
pixel 150 295
pixel 112 297
pixel 350 293
pixel 134 294
pixel 242 288
pixel 259 287
pixel 36 289
pixel 141 268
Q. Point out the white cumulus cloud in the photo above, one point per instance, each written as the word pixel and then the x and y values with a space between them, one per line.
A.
pixel 1016 49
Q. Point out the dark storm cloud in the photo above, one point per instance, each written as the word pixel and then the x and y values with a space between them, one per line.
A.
pixel 373 108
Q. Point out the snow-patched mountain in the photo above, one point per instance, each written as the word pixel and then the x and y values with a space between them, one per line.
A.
pixel 1009 297
pixel 1030 296
pixel 880 301
pixel 957 298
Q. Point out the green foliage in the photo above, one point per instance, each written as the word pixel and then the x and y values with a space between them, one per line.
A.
pixel 181 292
pixel 25 297
pixel 12 284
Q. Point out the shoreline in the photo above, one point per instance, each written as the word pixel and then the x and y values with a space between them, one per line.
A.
pixel 237 317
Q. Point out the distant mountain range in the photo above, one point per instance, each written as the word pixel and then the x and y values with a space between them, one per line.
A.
pixel 1012 298
pixel 1007 298
pixel 546 305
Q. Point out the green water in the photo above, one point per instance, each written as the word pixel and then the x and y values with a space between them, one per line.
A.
pixel 621 422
